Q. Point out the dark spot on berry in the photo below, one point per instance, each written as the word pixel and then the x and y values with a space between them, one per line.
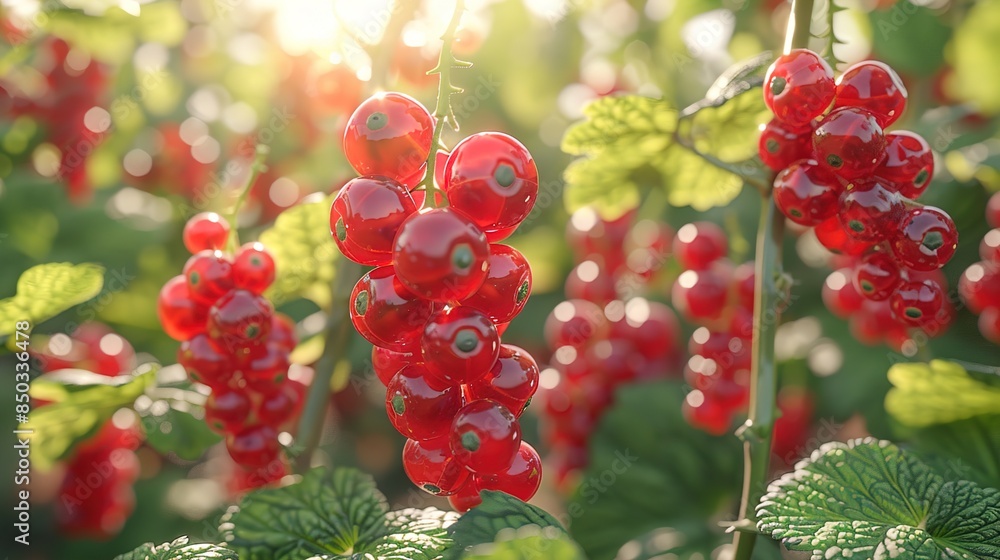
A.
pixel 867 287
pixel 834 161
pixel 251 332
pixel 462 257
pixel 772 146
pixel 377 120
pixel 856 225
pixel 526 404
pixel 470 441
pixel 504 175
pixel 361 303
pixel 341 230
pixel 778 85
pixel 466 340
pixel 431 489
pixel 398 404
pixel 795 212
pixel 255 261
pixel 921 177
pixel 913 313
pixel 933 241
pixel 522 292
pixel 194 278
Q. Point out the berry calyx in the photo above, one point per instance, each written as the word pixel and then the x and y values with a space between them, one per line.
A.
pixel 909 164
pixel 432 467
pixel 459 345
pixel 418 409
pixel 253 268
pixel 917 303
pixel 926 239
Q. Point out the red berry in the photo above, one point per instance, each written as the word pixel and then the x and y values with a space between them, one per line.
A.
pixel 181 316
pixel 782 144
pixel 590 235
pixel 521 479
pixel 792 427
pixel 283 332
pixel 926 239
pixel 876 276
pixel 650 325
pixel 703 413
pixel 491 178
pixel 441 255
pixel 209 276
pixel 365 217
pixel 206 232
pixel 869 211
pixel 589 281
pixel 993 210
pixel 267 367
pixel 387 362
pixel 575 323
pixel 909 164
pixel 916 303
pixel 989 324
pixel 205 362
pixel 616 360
pixel 107 353
pixel 389 135
pixel 648 247
pixel 466 497
pixel 240 319
pixel 873 86
pixel 989 247
pixel 417 409
pixel 798 87
pixel 832 235
pixel 253 268
pixel 511 381
pixel 254 445
pixel 278 406
pixel 806 193
pixel 507 286
pixel 459 345
pixel 849 142
pixel 485 437
pixel 226 409
pixel 745 278
pixel 388 314
pixel 699 244
pixel 701 295
pixel 979 286
pixel 432 467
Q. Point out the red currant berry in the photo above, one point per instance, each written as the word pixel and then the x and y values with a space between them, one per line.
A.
pixel 417 409
pixel 876 276
pixel 989 324
pixel 590 235
pixel 832 235
pixel 993 210
pixel 916 303
pixel 206 232
pixel 181 316
pixel 388 314
pixel 798 87
pixel 253 268
pixel 492 179
pixel 782 144
pixel 806 193
pixel 466 497
pixel 909 164
pixel 240 319
pixel 589 281
pixel 389 135
pixel 441 255
pixel 267 367
pixel 227 409
pixel 365 217
pixel 705 414
pixel 648 247
pixel 869 211
pixel 485 437
pixel 701 295
pixel 512 380
pixel 431 466
pixel 989 247
pixel 792 427
pixel 507 286
pixel 926 239
pixel 729 393
pixel 254 445
pixel 650 325
pixel 459 345
pixel 209 276
pixel 283 332
pixel 873 86
pixel 386 363
pixel 108 353
pixel 205 362
pixel 617 360
pixel 278 406
pixel 698 245
pixel 575 323
pixel 521 479
pixel 979 286
pixel 849 142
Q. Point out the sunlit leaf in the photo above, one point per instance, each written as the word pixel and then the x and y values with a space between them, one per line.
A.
pixel 528 543
pixel 499 512
pixel 179 549
pixel 936 393
pixel 304 252
pixel 975 47
pixel 46 290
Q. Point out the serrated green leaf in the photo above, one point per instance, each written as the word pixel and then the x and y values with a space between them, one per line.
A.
pixel 691 181
pixel 609 189
pixel 527 543
pixel 179 549
pixel 868 499
pixel 177 432
pixel 304 253
pixel 46 290
pixel 729 129
pixel 967 449
pixel 415 534
pixel 499 511
pixel 81 402
pixel 937 392
pixel 645 124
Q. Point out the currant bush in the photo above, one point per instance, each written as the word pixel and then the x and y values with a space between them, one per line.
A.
pixel 979 286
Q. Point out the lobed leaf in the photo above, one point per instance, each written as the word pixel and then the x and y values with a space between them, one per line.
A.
pixel 179 549
pixel 304 253
pixel 47 290
pixel 527 543
pixel 497 512
pixel 937 392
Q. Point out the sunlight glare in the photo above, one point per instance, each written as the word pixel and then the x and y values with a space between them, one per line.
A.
pixel 307 25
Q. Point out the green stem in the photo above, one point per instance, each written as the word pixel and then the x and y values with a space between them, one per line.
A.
pixel 758 430
pixel 256 167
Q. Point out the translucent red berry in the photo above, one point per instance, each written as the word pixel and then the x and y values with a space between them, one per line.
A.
pixel 459 345
pixel 206 232
pixel 365 216
pixel 266 367
pixel 388 135
pixel 806 193
pixel 926 239
pixel 254 445
pixel 466 497
pixel 989 324
pixel 849 142
pixel 505 291
pixel 240 319
pixel 916 303
pixel 701 295
pixel 873 86
pixel 278 406
pixel 869 211
pixel 512 380
pixel 833 235
pixel 592 282
pixel 283 332
pixel 521 479
pixel 209 276
pixel 650 325
pixel 876 276
pixel 440 255
pixel 704 413
pixel 387 362
pixel 485 436
pixel 575 323
pixel 979 286
pixel 798 86
pixel 253 268
pixel 993 210
pixel 226 409
pixel 782 144
pixel 909 164
pixel 989 247
pixel 588 234
pixel 180 315
pixel 417 409
pixel 432 467
pixel 698 245
pixel 387 313
pixel 205 362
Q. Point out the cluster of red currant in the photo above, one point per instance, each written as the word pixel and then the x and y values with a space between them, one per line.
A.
pixel 719 298
pixel 857 184
pixel 441 295
pixel 979 286
pixel 233 342
pixel 95 496
pixel 603 335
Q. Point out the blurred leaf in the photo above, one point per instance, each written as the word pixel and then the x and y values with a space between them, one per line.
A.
pixel 498 512
pixel 528 543
pixel 304 253
pixel 645 124
pixel 683 542
pixel 332 514
pixel 728 125
pixel 936 393
pixel 80 403
pixel 46 290
pixel 179 549
pixel 974 47
pixel 691 181
pixel 177 432
pixel 969 449
pixel 592 182
pixel 910 38
pixel 868 499
pixel 648 469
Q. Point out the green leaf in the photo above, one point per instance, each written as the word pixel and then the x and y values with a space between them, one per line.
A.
pixel 81 402
pixel 527 543
pixel 937 392
pixel 974 47
pixel 868 499
pixel 179 549
pixel 967 449
pixel 338 514
pixel 648 469
pixel 632 120
pixel 498 512
pixel 727 127
pixel 303 251
pixel 173 416
pixel 910 38
pixel 47 290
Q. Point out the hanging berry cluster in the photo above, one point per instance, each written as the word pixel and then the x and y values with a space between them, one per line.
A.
pixel 233 341
pixel 604 336
pixel 442 292
pixel 840 172
pixel 979 286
